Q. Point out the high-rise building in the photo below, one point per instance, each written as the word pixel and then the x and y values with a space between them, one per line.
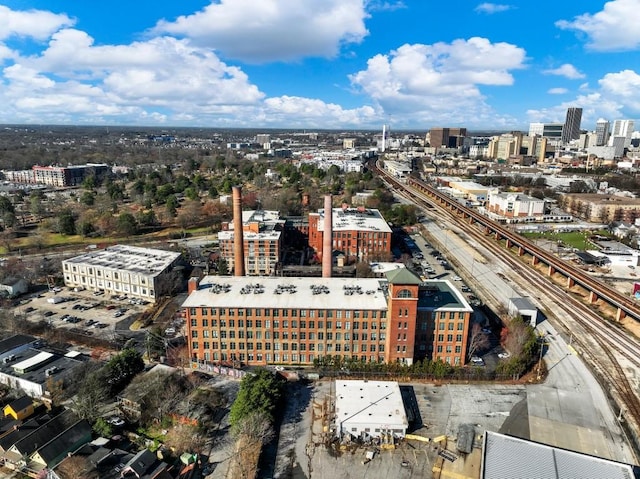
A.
pixel 602 132
pixel 571 128
pixel 447 137
pixel 552 131
pixel 624 129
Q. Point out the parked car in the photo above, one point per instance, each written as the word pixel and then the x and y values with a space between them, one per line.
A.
pixel 115 421
pixel 486 331
pixel 504 355
pixel 457 278
pixel 477 361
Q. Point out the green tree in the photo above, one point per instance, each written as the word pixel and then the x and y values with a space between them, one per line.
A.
pixel 88 198
pixel 127 224
pixel 103 428
pixel 121 368
pixel 259 393
pixel 67 222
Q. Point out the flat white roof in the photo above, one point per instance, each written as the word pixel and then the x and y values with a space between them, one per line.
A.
pixel 289 293
pixel 250 235
pixel 33 361
pixel 356 219
pixel 133 259
pixel 369 404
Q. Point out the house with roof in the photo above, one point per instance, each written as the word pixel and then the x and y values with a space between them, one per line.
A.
pixel 19 409
pixel 17 455
pixel 145 465
pixel 13 287
pixel 53 452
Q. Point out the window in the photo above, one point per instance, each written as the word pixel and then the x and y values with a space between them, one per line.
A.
pixel 404 293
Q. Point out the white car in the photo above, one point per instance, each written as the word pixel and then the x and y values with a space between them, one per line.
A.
pixel 504 355
pixel 477 361
pixel 115 421
pixel 457 278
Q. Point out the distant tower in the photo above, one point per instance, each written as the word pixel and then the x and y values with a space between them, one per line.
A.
pixel 622 129
pixel 602 132
pixel 571 128
pixel 384 138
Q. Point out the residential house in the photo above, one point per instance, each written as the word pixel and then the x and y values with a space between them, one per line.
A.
pixel 19 409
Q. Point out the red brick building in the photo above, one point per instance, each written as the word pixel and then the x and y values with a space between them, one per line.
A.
pixel 358 233
pixel 250 321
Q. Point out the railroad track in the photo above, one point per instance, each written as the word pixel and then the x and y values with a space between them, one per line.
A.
pixel 602 341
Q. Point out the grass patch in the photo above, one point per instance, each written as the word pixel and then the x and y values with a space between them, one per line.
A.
pixel 572 239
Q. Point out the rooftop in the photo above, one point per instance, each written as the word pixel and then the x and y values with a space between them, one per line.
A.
pixel 506 456
pixel 364 403
pixel 356 219
pixel 133 259
pixel 438 294
pixel 38 366
pixel 289 293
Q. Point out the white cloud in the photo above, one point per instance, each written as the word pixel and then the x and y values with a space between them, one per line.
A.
pixel 315 113
pixel 273 30
pixel 615 27
pixel 37 24
pixel 384 6
pixel 567 70
pixel 439 82
pixel 624 87
pixel 557 91
pixel 616 97
pixel 491 8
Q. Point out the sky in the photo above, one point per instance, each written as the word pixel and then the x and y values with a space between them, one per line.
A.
pixel 318 64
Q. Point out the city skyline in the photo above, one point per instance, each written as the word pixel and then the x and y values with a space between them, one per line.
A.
pixel 331 64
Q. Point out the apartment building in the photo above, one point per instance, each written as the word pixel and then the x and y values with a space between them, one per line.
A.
pixel 358 233
pixel 122 269
pixel 262 237
pixel 241 321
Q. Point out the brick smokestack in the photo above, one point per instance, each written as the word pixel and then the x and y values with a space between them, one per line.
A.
pixel 238 236
pixel 327 238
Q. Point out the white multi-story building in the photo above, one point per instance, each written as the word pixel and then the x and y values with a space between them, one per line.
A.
pixel 123 269
pixel 624 129
pixel 516 205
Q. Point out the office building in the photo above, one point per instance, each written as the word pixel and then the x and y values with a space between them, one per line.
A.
pixel 551 131
pixel 121 269
pixel 571 128
pixel 602 132
pixel 243 321
pixel 622 129
pixel 447 137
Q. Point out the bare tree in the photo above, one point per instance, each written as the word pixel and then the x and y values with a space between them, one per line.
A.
pixel 477 340
pixel 251 433
pixel 516 337
pixel 76 467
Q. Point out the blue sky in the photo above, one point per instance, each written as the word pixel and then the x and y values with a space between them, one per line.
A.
pixel 337 64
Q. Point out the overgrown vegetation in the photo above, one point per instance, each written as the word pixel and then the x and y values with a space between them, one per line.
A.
pixel 520 339
pixel 251 417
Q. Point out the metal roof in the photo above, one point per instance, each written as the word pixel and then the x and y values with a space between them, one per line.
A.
pixel 511 457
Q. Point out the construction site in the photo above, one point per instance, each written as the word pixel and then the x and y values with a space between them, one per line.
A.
pixel 445 427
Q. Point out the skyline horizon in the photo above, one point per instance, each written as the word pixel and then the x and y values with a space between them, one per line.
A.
pixel 322 64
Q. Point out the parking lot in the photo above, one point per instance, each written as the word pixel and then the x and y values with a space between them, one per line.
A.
pixel 87 312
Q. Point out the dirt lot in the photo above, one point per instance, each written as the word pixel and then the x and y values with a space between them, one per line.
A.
pixel 305 449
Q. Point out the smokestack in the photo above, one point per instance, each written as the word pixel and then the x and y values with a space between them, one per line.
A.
pixel 384 137
pixel 238 236
pixel 327 238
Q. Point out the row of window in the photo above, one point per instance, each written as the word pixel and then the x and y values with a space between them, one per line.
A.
pixel 294 335
pixel 108 274
pixel 258 346
pixel 286 324
pixel 285 313
pixel 274 357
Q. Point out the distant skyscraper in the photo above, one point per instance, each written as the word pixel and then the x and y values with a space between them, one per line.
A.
pixel 571 128
pixel 602 132
pixel 622 128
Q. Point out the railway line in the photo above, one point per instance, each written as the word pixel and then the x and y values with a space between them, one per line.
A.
pixel 605 345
